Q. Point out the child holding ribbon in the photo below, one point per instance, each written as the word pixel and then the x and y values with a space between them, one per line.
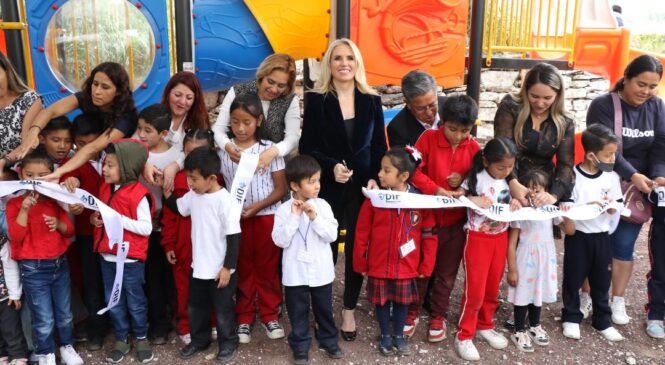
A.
pixel 39 229
pixel 258 260
pixel 532 269
pixel 487 242
pixel 393 247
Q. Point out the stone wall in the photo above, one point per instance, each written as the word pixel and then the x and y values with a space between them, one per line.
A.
pixel 581 88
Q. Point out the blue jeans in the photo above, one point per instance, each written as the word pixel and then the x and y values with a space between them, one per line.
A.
pixel 623 240
pixel 47 288
pixel 133 305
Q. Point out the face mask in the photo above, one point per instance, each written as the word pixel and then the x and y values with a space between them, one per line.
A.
pixel 604 166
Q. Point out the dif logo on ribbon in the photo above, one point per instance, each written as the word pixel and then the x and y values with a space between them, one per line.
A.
pixel 389 197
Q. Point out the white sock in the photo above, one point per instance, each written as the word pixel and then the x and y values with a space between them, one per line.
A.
pixel 618 300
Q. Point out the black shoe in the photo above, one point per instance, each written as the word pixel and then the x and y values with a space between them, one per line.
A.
pixel 225 355
pixel 386 346
pixel 300 358
pixel 402 345
pixel 190 350
pixel 94 343
pixel 334 352
pixel 348 336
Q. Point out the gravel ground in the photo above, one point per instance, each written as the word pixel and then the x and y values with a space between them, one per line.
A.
pixel 637 348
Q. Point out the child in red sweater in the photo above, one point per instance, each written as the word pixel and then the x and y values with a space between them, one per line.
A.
pixel 88 177
pixel 447 155
pixel 393 247
pixel 38 231
pixel 176 233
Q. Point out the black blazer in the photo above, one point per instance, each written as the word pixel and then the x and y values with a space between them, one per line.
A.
pixel 404 129
pixel 324 138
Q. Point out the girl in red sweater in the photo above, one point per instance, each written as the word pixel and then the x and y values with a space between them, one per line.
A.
pixel 38 231
pixel 393 247
pixel 176 233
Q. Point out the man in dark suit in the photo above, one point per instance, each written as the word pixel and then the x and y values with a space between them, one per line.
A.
pixel 421 111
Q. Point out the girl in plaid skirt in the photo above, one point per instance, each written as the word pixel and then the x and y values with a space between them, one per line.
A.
pixel 393 247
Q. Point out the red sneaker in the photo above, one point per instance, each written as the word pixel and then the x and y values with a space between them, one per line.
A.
pixel 437 329
pixel 411 324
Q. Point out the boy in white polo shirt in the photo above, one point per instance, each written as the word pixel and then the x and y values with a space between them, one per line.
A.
pixel 588 253
pixel 215 243
pixel 304 227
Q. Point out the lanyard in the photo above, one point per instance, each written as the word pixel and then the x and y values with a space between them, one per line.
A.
pixel 406 226
pixel 304 236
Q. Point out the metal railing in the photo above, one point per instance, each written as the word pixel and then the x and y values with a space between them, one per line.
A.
pixel 524 26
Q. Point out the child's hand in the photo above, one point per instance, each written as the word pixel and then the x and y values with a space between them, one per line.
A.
pixel 542 198
pixel 458 193
pixel 310 210
pixel 223 277
pixel 443 192
pixel 611 211
pixel 481 201
pixel 16 303
pixel 250 211
pixel 167 193
pixel 512 278
pixel 372 185
pixel 515 205
pixel 96 219
pixel 51 222
pixel 76 209
pixel 296 207
pixel 28 202
pixel 454 180
pixel 421 276
pixel 71 184
pixel 565 207
pixel 170 257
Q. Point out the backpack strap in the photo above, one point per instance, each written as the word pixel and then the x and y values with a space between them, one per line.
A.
pixel 618 119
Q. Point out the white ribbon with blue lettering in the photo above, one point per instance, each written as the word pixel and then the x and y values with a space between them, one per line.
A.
pixel 112 221
pixel 497 212
pixel 660 192
pixel 241 181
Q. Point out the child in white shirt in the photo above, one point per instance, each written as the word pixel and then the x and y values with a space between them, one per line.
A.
pixel 304 228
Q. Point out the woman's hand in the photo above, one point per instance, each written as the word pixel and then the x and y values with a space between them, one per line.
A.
pixel 29 143
pixel 542 198
pixel 233 151
pixel 519 192
pixel 169 176
pixel 71 184
pixel 642 183
pixel 482 202
pixel 342 173
pixel 53 177
pixel 454 180
pixel 151 173
pixel 265 159
pixel 515 205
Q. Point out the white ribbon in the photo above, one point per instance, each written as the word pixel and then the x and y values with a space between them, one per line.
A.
pixel 112 220
pixel 241 181
pixel 498 212
pixel 660 191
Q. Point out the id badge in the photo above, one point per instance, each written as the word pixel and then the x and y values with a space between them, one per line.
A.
pixel 407 248
pixel 305 256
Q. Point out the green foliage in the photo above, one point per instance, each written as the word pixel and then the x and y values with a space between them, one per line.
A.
pixel 648 42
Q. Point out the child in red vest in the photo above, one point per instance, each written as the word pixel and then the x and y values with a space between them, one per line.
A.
pixel 393 247
pixel 122 191
pixel 177 233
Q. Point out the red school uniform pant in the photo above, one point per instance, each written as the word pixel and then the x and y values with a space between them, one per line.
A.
pixel 258 271
pixel 182 270
pixel 484 262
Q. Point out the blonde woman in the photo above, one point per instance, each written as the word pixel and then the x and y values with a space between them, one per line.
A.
pixel 536 120
pixel 343 130
pixel 274 85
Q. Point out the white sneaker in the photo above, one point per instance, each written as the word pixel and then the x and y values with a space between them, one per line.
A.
pixel 69 356
pixel 47 359
pixel 655 329
pixel 611 334
pixel 244 333
pixel 522 341
pixel 274 330
pixel 619 315
pixel 410 328
pixel 494 338
pixel 186 338
pixel 571 330
pixel 538 335
pixel 586 305
pixel 466 350
pixel 213 334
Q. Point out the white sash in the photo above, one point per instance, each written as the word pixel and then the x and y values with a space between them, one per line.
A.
pixel 498 212
pixel 660 191
pixel 242 179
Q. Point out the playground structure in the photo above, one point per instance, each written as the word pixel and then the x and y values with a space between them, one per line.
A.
pixel 63 40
